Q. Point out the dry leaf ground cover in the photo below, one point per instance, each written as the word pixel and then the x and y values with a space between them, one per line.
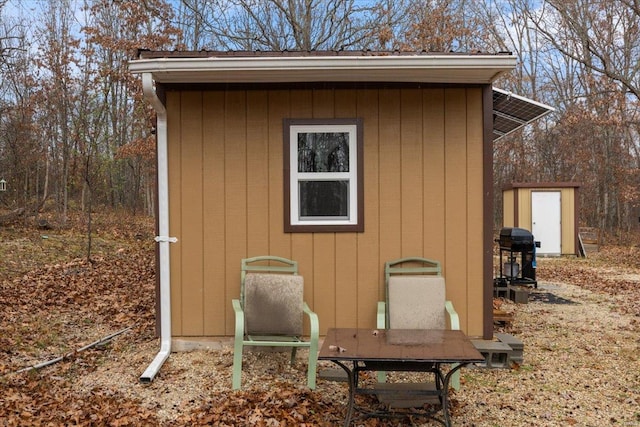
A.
pixel 581 359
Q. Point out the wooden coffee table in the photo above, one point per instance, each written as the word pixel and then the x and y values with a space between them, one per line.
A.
pixel 359 350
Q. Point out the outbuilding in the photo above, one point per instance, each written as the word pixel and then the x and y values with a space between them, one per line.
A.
pixel 406 148
pixel 549 210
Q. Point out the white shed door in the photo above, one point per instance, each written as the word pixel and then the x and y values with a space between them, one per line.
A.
pixel 545 221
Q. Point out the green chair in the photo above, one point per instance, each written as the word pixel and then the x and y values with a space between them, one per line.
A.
pixel 415 299
pixel 270 312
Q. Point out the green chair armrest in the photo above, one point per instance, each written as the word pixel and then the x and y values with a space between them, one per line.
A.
pixel 238 343
pixel 455 326
pixel 453 316
pixel 237 308
pixel 381 324
pixel 314 324
pixel 382 315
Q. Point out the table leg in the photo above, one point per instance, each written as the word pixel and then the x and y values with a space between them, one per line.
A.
pixel 351 373
pixel 439 380
pixel 442 385
pixel 445 391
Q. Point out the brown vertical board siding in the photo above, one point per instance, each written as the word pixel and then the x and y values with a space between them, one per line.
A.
pixel 488 211
pixel 475 217
pixel 302 250
pixel 346 245
pixel 324 256
pixel 175 207
pixel 516 208
pixel 411 172
pixel 369 279
pixel 301 102
pixel 279 108
pixel 508 211
pixel 257 173
pixel 324 279
pixel 192 215
pixel 433 196
pixel 235 192
pixel 524 208
pixel 390 186
pixel 456 201
pixel 226 146
pixel 216 301
pixel 576 214
pixel 346 280
pixel 566 221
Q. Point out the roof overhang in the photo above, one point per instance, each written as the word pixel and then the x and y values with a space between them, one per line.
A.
pixel 416 68
pixel 511 112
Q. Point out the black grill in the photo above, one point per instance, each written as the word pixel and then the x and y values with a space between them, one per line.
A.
pixel 516 239
pixel 517 257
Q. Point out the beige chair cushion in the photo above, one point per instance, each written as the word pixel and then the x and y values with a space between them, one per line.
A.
pixel 416 302
pixel 273 304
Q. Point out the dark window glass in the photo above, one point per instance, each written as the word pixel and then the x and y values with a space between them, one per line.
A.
pixel 324 199
pixel 323 152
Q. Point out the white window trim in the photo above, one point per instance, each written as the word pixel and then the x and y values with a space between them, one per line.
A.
pixel 354 221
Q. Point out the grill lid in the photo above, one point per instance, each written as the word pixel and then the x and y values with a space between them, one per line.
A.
pixel 510 236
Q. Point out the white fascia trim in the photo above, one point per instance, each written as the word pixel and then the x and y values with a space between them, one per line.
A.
pixel 410 65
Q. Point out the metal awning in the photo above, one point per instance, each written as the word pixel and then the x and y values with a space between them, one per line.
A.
pixel 511 112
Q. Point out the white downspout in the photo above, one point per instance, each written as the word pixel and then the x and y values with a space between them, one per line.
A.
pixel 163 238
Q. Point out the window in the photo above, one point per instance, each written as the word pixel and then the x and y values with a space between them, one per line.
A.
pixel 323 175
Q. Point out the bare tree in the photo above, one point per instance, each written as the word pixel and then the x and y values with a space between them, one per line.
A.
pixel 57 59
pixel 603 38
pixel 22 151
pixel 581 57
pixel 444 26
pixel 192 17
pixel 603 35
pixel 280 25
pixel 73 124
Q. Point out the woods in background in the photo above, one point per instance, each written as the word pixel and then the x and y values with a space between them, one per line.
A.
pixel 75 132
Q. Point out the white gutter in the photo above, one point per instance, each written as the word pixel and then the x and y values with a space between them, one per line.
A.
pixel 409 68
pixel 163 230
pixel 258 63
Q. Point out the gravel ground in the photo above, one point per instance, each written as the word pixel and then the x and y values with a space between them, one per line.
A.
pixel 581 367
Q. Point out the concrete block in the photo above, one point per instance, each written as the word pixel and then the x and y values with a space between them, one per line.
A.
pixel 513 342
pixel 500 287
pixel 517 347
pixel 519 295
pixel 496 353
pixel 501 292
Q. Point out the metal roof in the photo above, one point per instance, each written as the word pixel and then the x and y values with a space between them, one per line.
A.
pixel 512 112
